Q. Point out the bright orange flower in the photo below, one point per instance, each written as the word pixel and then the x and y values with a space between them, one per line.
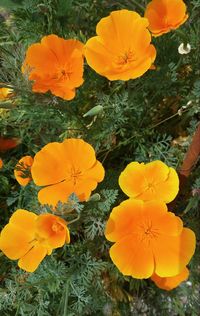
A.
pixel 165 15
pixel 1 163
pixel 66 168
pixel 170 283
pixel 55 64
pixel 5 93
pixel 148 239
pixel 153 181
pixel 29 237
pixel 121 50
pixel 22 170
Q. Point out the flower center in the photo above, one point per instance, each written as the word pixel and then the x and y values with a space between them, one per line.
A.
pixel 148 232
pixel 75 175
pixel 56 227
pixel 63 73
pixel 126 58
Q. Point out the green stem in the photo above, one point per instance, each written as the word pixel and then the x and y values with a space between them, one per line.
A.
pixel 74 220
pixel 138 5
pixel 66 298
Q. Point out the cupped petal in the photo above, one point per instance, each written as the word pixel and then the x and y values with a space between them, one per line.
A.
pixel 24 220
pixel 173 253
pixel 132 180
pixel 98 56
pixel 84 188
pixel 156 171
pixel 176 12
pixel 52 194
pixel 133 257
pixel 61 48
pixel 39 58
pixel 96 172
pixel 62 91
pixel 124 219
pixel 168 189
pixel 60 192
pixel 50 164
pixel 79 154
pixel 117 29
pixel 170 283
pixel 31 260
pixel 162 221
pixel 14 241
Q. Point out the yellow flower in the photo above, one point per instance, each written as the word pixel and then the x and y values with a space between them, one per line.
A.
pixel 122 49
pixel 66 168
pixel 165 15
pixel 148 239
pixel 151 181
pixel 29 237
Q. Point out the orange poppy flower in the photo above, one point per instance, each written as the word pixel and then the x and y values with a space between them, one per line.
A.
pixel 148 239
pixel 22 170
pixel 5 93
pixel 121 50
pixel 29 237
pixel 66 168
pixel 1 163
pixel 170 283
pixel 165 15
pixel 151 181
pixel 55 65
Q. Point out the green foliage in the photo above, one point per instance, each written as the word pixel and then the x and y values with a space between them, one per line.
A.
pixel 152 117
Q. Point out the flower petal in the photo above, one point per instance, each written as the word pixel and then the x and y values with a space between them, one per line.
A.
pixel 123 219
pixel 25 220
pixel 14 241
pixel 132 257
pixel 80 154
pixel 54 193
pixel 132 180
pixel 166 223
pixel 165 15
pixel 50 164
pixel 31 260
pixel 53 229
pixel 169 283
pixel 173 253
pixel 169 188
pixel 40 58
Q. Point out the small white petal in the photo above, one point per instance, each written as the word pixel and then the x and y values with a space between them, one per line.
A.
pixel 184 48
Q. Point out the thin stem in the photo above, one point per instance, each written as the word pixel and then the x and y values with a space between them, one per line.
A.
pixel 168 118
pixel 74 220
pixel 66 298
pixel 138 5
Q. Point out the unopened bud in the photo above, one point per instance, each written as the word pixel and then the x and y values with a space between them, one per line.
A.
pixel 94 111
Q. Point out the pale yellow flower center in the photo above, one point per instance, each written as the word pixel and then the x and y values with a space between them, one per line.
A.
pixel 57 227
